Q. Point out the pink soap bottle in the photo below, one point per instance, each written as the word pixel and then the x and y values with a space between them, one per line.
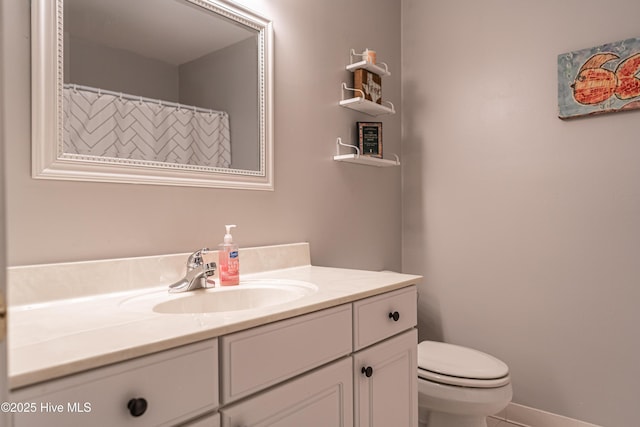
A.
pixel 229 260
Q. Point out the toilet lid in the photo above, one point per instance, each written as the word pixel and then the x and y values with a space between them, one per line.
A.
pixel 441 360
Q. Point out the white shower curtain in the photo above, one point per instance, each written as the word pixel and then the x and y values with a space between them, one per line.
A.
pixel 108 125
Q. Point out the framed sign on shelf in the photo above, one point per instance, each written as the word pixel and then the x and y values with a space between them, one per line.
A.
pixel 370 139
pixel 370 84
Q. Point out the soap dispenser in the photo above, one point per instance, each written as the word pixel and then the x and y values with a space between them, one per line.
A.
pixel 229 260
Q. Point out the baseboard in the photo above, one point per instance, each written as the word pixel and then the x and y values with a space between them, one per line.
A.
pixel 530 417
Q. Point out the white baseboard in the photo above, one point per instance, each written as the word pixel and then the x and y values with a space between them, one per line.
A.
pixel 531 417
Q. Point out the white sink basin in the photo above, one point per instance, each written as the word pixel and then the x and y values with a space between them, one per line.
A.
pixel 249 294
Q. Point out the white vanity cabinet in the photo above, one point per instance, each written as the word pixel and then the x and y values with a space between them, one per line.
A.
pixel 351 365
pixel 162 389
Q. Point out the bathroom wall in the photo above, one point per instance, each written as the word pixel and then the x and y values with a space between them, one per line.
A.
pixel 104 67
pixel 350 214
pixel 227 80
pixel 526 227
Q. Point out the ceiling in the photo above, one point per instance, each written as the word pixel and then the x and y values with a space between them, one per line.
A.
pixel 173 31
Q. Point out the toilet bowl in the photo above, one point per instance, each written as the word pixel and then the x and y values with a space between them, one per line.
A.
pixel 459 386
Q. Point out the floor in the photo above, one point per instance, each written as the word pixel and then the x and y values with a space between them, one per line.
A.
pixel 495 422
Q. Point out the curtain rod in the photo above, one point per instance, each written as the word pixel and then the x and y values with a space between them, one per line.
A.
pixel 158 102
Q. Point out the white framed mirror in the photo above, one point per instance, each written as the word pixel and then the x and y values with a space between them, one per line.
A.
pixel 169 92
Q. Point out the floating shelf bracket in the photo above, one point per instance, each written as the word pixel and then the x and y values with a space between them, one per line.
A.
pixel 347 88
pixel 340 143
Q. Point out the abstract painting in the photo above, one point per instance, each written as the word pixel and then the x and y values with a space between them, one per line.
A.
pixel 601 79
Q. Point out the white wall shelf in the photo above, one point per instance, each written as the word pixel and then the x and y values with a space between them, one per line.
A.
pixel 363 160
pixel 359 103
pixel 369 67
pixel 381 70
pixel 366 160
pixel 365 106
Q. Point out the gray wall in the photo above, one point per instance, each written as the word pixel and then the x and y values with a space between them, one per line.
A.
pixel 104 67
pixel 227 80
pixel 350 214
pixel 526 227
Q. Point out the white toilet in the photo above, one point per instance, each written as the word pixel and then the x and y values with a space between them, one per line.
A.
pixel 458 386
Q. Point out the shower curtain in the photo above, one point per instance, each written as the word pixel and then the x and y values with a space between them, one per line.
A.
pixel 123 126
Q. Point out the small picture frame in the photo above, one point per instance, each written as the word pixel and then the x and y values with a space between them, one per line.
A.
pixel 370 139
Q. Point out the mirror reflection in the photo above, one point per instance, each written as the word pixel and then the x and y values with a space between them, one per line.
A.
pixel 163 81
pixel 170 92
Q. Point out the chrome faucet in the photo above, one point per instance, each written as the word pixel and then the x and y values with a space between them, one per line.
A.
pixel 197 273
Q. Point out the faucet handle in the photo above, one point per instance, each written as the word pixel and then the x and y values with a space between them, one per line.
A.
pixel 195 259
pixel 209 269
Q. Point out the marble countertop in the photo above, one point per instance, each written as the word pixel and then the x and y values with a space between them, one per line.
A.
pixel 55 338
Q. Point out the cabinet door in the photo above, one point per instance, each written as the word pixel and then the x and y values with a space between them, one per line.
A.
pixel 385 383
pixel 322 398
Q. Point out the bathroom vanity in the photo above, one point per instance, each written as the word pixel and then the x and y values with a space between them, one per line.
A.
pixel 342 355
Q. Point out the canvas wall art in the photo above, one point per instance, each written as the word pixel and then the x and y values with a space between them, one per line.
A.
pixel 601 79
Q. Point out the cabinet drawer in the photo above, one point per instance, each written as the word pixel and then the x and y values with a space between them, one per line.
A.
pixel 382 316
pixel 257 358
pixel 319 399
pixel 177 385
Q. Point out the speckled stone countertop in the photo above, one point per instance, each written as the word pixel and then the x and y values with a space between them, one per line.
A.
pixel 59 324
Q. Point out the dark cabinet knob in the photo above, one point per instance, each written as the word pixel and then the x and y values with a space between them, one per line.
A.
pixel 395 316
pixel 368 371
pixel 137 406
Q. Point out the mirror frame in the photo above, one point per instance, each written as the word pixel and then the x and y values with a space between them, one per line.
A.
pixel 49 161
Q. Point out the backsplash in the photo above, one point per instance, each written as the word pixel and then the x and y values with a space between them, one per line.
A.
pixel 32 284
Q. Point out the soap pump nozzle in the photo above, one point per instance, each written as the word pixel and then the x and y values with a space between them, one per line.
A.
pixel 228 238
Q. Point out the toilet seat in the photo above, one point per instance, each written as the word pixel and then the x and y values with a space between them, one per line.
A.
pixel 460 366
